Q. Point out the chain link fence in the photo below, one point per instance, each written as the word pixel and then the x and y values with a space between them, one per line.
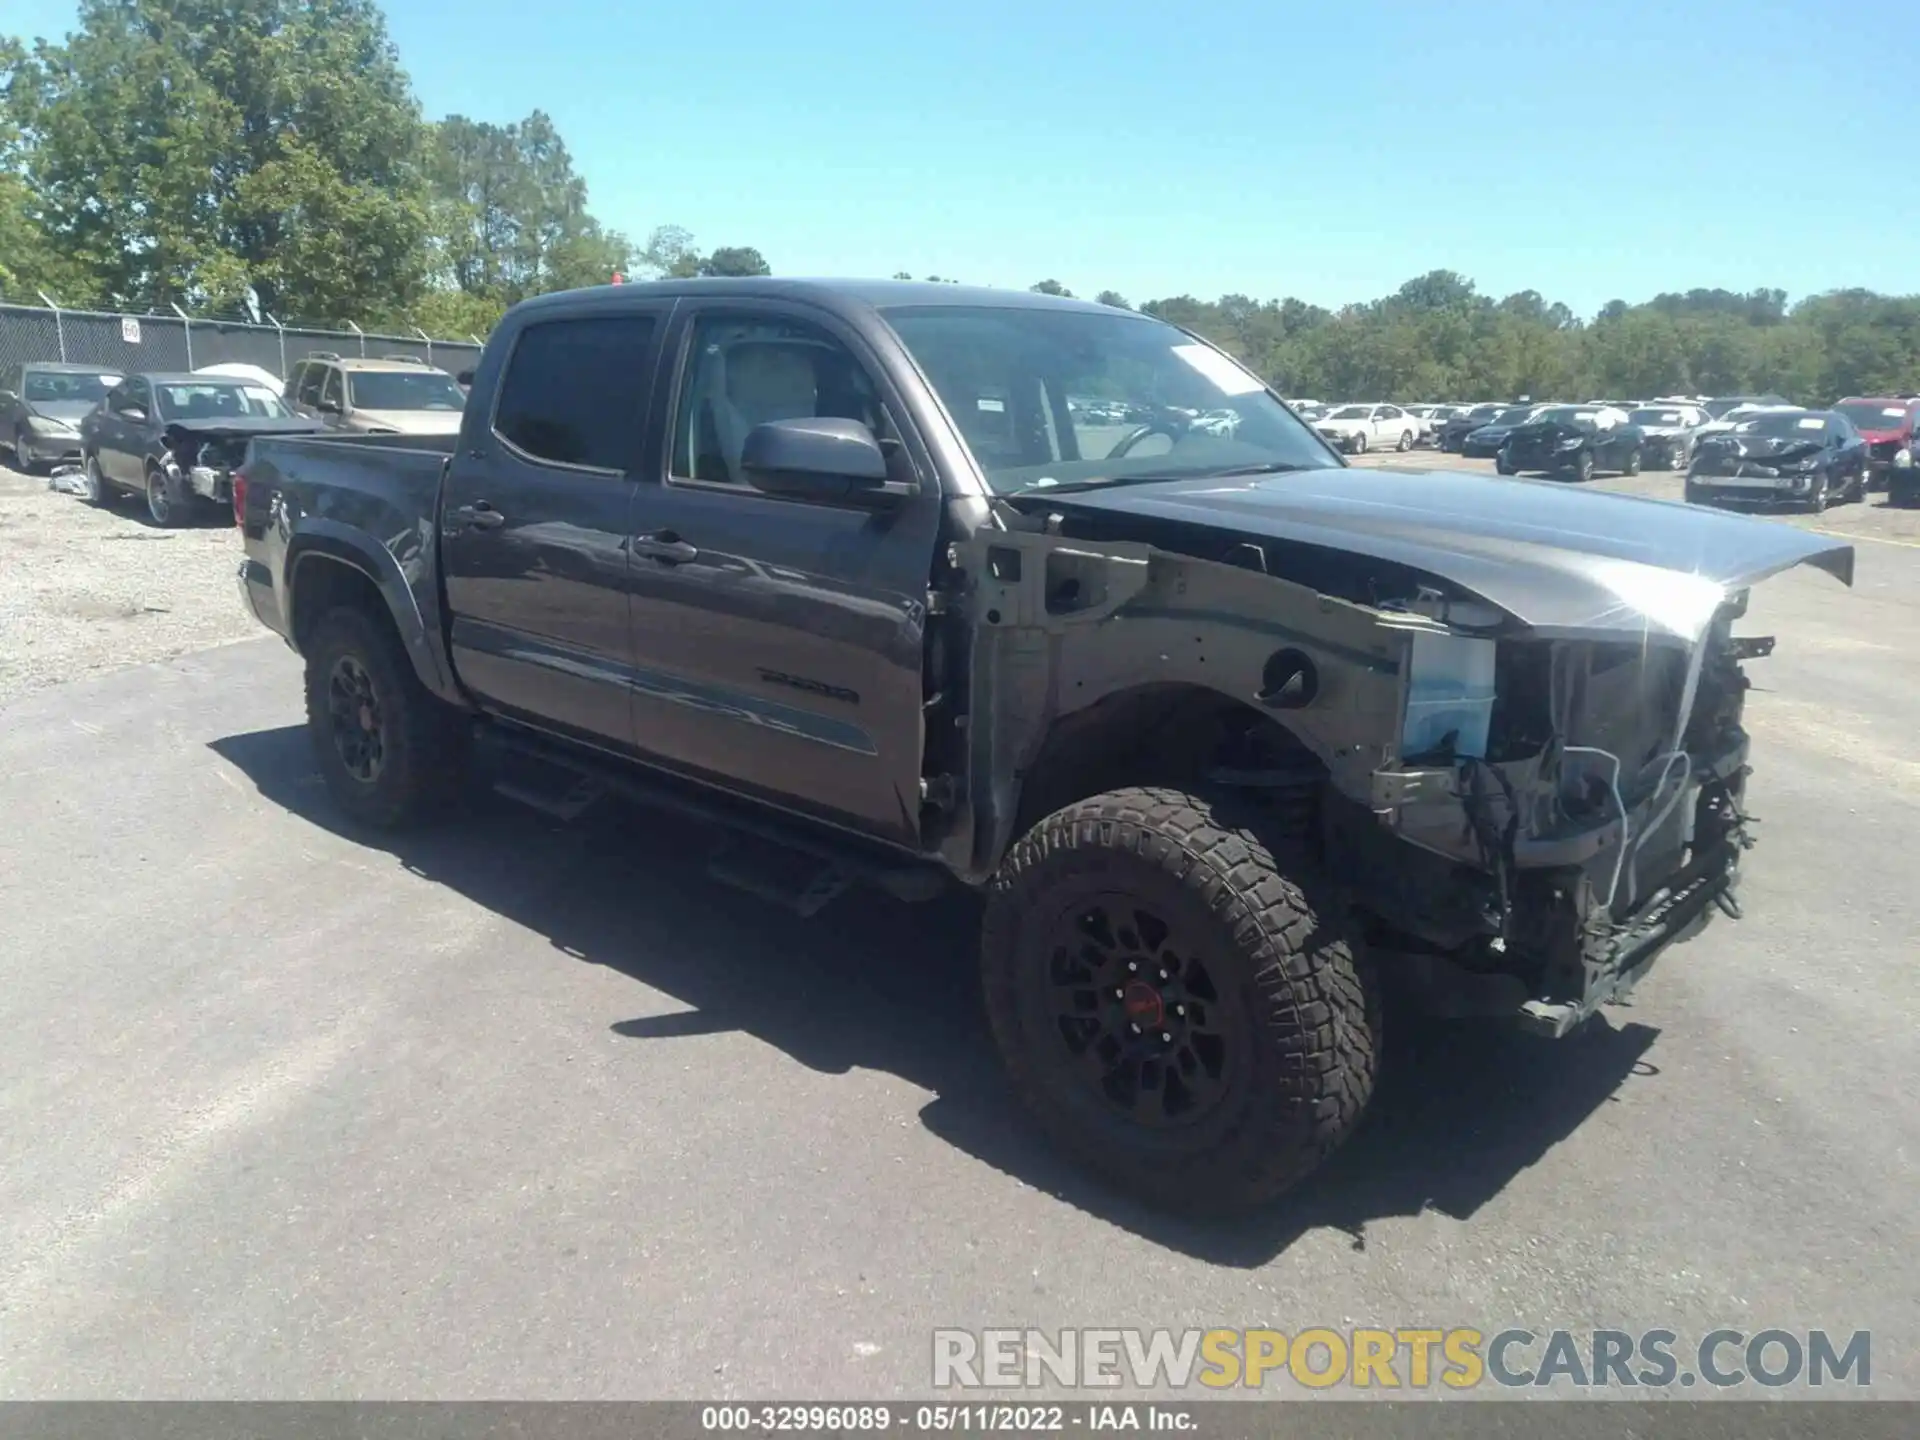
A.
pixel 128 343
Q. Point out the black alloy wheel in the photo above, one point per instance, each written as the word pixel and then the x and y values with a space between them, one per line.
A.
pixel 354 720
pixel 1139 1016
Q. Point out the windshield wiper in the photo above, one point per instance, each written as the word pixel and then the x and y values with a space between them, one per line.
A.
pixel 1225 472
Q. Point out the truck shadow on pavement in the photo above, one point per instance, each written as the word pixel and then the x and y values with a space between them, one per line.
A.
pixel 871 983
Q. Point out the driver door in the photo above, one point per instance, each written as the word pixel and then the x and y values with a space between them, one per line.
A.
pixel 778 641
pixel 121 448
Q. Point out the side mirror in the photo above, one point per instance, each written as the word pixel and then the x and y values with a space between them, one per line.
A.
pixel 464 379
pixel 825 458
pixel 327 407
pixel 134 413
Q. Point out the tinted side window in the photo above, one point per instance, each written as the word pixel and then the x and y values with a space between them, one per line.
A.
pixel 743 372
pixel 332 388
pixel 572 393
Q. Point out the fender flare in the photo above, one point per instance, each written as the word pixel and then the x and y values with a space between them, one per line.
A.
pixel 319 537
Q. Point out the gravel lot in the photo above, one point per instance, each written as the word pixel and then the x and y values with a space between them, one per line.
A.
pixel 513 1109
pixel 85 590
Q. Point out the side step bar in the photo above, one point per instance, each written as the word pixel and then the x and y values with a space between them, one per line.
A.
pixel 785 862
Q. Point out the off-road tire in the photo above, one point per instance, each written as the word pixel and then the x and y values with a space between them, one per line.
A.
pixel 1305 1037
pixel 423 740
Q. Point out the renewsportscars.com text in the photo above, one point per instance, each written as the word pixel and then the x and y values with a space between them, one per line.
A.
pixel 1401 1359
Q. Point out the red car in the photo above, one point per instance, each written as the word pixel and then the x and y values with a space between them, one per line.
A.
pixel 1887 425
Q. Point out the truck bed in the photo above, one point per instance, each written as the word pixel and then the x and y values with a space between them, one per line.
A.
pixel 337 494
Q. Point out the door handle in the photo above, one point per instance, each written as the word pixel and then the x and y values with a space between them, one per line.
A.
pixel 666 547
pixel 479 516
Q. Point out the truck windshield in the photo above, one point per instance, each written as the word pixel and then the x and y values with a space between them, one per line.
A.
pixel 1049 396
pixel 405 390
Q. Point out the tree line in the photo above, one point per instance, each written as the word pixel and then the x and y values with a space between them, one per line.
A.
pixel 230 154
pixel 1438 338
pixel 224 155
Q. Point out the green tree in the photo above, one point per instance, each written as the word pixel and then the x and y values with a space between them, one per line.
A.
pixel 735 260
pixel 184 149
pixel 1113 298
pixel 1051 287
pixel 510 214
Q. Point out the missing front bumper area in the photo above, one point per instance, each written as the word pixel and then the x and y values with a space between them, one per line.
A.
pixel 1617 957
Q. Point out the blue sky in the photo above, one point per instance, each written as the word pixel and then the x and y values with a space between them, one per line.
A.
pixel 1587 152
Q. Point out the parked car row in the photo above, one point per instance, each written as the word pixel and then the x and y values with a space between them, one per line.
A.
pixel 175 437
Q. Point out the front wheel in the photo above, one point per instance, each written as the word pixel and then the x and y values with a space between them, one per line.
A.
pixel 1406 441
pixel 1583 467
pixel 1177 1000
pixel 1502 464
pixel 390 753
pixel 1632 466
pixel 1360 443
pixel 98 492
pixel 168 502
pixel 1817 501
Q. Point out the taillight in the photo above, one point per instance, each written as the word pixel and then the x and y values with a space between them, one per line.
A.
pixel 239 497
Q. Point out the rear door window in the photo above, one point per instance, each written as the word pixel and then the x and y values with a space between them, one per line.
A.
pixel 574 392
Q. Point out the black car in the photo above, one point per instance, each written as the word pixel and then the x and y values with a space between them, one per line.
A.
pixel 1463 423
pixel 1484 443
pixel 1575 440
pixel 176 439
pixel 1784 457
pixel 41 406
pixel 1720 404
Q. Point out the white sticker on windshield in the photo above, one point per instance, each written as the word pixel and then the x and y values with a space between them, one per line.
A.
pixel 1230 377
pixel 1813 422
pixel 1894 412
pixel 994 407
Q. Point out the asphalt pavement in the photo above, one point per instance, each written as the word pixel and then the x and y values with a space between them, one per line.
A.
pixel 517 1109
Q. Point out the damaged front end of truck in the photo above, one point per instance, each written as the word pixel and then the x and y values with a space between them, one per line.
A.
pixel 1516 743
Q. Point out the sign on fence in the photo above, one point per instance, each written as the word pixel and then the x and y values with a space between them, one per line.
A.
pixel 129 329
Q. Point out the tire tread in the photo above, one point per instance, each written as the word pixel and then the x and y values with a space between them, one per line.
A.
pixel 1317 1003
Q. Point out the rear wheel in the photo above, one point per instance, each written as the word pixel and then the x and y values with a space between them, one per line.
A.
pixel 389 751
pixel 1176 1000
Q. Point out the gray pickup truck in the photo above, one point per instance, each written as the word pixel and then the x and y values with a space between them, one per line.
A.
pixel 918 584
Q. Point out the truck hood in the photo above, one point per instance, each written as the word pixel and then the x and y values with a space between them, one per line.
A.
pixel 414 422
pixel 1565 562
